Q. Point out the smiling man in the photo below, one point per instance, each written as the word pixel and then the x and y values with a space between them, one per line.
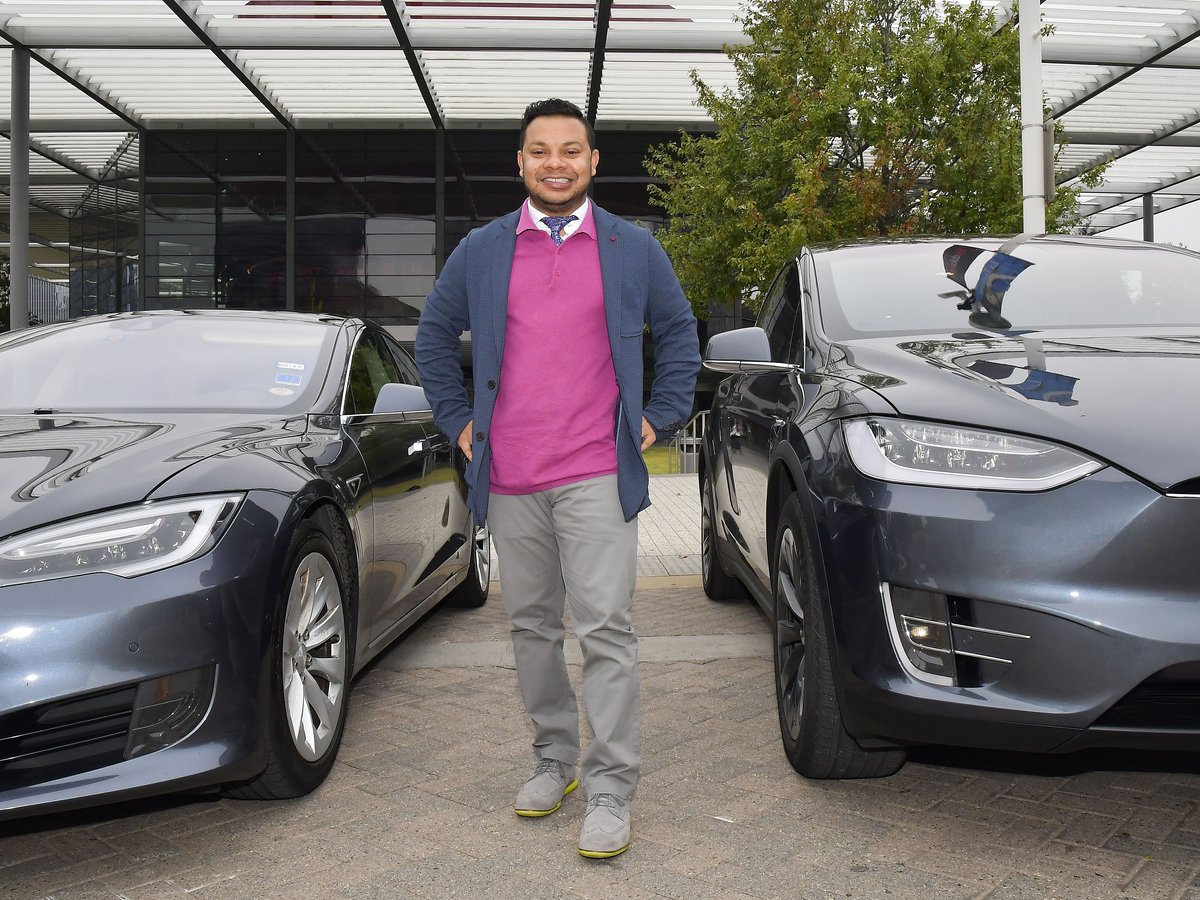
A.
pixel 556 296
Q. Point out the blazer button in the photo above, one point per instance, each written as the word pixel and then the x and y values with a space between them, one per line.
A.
pixel 479 435
pixel 491 384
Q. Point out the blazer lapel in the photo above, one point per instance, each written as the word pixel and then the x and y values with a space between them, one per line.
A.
pixel 610 273
pixel 501 273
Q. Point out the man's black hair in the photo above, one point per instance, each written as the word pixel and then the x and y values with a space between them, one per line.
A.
pixel 555 107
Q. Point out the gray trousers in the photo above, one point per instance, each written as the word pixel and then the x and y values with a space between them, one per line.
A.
pixel 573 542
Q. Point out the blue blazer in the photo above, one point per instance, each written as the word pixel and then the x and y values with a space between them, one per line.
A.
pixel 640 288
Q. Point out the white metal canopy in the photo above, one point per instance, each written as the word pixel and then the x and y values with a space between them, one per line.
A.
pixel 1123 78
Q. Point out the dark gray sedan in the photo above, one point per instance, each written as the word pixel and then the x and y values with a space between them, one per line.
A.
pixel 209 522
pixel 962 478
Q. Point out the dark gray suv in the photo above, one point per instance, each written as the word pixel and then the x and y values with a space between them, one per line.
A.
pixel 962 478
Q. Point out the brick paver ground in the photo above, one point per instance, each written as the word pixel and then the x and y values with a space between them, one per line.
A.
pixel 418 805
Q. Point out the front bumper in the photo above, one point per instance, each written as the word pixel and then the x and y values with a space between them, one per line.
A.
pixel 74 651
pixel 1083 607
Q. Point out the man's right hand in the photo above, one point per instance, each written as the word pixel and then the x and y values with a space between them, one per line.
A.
pixel 464 440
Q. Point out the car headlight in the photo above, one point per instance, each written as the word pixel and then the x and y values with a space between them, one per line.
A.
pixel 127 542
pixel 909 452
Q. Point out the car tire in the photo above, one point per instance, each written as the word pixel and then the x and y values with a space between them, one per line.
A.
pixel 717 584
pixel 312 659
pixel 815 739
pixel 472 593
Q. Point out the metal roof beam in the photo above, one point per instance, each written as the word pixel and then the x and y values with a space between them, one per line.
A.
pixel 34 239
pixel 37 124
pixel 1110 57
pixel 107 171
pixel 596 74
pixel 1005 12
pixel 431 37
pixel 1182 39
pixel 61 213
pixel 50 180
pixel 1119 219
pixel 1130 189
pixel 115 156
pixel 398 17
pixel 187 12
pixel 56 157
pixel 112 104
pixel 1122 138
pixel 1118 153
pixel 1168 195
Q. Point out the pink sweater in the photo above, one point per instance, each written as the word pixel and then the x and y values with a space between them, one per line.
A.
pixel 556 407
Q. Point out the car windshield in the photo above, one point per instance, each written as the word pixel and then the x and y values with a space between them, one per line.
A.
pixel 161 363
pixel 903 288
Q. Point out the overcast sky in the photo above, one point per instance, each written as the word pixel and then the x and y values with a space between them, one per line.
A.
pixel 1176 226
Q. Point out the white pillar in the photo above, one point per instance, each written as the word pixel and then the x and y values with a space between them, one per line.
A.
pixel 1033 171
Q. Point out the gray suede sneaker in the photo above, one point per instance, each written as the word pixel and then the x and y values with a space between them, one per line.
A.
pixel 542 794
pixel 605 830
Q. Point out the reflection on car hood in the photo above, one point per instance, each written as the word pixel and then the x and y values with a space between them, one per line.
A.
pixel 56 467
pixel 1131 399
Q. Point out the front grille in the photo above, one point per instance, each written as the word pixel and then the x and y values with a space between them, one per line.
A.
pixel 66 737
pixel 1169 699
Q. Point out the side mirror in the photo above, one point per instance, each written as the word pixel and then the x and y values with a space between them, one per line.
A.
pixel 742 350
pixel 406 402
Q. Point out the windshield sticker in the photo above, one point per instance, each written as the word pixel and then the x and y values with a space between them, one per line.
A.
pixel 284 378
pixel 298 367
pixel 282 391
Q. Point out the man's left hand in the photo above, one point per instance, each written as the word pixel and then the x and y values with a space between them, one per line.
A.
pixel 648 436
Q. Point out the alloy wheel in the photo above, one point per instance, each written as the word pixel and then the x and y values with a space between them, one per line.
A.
pixel 789 635
pixel 483 557
pixel 314 657
pixel 708 547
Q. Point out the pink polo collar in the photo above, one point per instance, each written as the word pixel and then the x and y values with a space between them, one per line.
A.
pixel 586 226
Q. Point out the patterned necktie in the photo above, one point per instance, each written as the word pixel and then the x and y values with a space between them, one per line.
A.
pixel 556 224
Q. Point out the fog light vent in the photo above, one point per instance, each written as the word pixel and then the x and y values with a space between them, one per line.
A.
pixel 921 632
pixel 938 640
pixel 168 709
pixel 927 634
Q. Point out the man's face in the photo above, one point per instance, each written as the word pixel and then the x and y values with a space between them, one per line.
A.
pixel 556 163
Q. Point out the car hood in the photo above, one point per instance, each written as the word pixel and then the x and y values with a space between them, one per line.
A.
pixel 1131 399
pixel 56 467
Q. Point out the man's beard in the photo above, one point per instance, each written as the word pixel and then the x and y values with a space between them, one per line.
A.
pixel 557 206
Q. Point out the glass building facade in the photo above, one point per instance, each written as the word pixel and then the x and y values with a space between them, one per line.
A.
pixel 347 222
pixel 105 244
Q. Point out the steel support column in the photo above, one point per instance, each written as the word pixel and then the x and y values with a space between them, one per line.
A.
pixel 1147 217
pixel 18 193
pixel 439 199
pixel 142 262
pixel 1033 178
pixel 289 229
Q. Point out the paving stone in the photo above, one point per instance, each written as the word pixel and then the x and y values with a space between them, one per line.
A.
pixel 417 805
pixel 1158 879
pixel 1090 829
pixel 1152 849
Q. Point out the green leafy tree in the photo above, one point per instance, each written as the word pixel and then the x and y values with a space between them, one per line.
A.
pixel 849 118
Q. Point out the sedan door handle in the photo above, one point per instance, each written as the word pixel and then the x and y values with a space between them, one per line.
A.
pixel 429 444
